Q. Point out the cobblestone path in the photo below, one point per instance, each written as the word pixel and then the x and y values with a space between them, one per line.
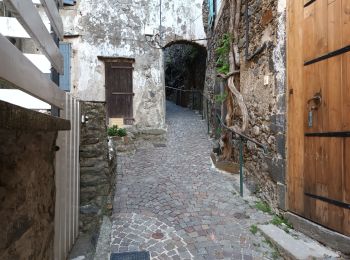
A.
pixel 171 202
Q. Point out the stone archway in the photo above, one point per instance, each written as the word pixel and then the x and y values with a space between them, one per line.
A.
pixel 184 71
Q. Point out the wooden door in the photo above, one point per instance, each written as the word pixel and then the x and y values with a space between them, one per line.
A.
pixel 119 89
pixel 319 111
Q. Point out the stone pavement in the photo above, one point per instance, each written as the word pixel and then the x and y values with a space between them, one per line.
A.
pixel 171 202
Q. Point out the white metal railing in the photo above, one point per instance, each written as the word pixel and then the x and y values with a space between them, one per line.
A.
pixel 67 182
pixel 30 19
pixel 19 70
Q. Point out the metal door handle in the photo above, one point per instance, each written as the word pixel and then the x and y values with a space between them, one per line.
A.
pixel 316 99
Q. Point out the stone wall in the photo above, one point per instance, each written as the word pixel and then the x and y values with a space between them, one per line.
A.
pixel 263 88
pixel 96 179
pixel 27 194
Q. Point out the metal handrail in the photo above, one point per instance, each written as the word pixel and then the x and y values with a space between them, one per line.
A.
pixel 242 138
pixel 185 90
pixel 242 135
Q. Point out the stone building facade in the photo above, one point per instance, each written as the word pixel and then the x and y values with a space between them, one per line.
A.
pixel 262 78
pixel 105 29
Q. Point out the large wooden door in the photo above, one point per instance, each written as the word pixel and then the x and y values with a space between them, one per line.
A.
pixel 319 111
pixel 119 89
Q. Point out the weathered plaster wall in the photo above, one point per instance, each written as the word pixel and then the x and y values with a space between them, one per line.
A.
pixel 116 29
pixel 263 88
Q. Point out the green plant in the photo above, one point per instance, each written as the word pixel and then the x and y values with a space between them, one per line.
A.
pixel 112 131
pixel 121 132
pixel 222 52
pixel 253 229
pixel 275 254
pixel 218 131
pixel 263 206
pixel 220 98
pixel 281 221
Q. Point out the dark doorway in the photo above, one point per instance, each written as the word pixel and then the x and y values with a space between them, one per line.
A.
pixel 185 66
pixel 119 89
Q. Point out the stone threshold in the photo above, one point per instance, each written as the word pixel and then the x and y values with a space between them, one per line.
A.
pixel 326 236
pixel 294 245
pixel 13 117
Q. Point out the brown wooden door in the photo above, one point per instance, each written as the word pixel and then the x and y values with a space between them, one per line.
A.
pixel 119 89
pixel 319 109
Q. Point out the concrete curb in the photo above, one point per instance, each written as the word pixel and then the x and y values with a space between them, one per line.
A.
pixel 328 237
pixel 296 248
pixel 103 249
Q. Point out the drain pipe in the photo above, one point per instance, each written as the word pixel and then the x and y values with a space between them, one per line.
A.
pixel 160 23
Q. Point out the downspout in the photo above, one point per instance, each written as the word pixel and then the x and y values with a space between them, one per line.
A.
pixel 160 23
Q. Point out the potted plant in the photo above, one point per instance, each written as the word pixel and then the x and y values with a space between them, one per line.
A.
pixel 118 133
pixel 123 134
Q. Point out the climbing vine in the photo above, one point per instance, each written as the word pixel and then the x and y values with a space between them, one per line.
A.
pixel 222 52
pixel 230 74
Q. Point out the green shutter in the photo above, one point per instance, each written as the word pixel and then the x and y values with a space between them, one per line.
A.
pixel 211 12
pixel 65 79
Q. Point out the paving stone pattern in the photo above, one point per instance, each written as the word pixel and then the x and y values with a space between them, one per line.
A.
pixel 171 202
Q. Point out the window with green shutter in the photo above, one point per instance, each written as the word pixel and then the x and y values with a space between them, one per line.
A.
pixel 65 79
pixel 211 18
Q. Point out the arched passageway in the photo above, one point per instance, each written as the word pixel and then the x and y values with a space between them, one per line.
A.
pixel 185 66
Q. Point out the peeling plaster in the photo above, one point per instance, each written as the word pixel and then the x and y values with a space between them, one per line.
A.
pixel 116 29
pixel 279 54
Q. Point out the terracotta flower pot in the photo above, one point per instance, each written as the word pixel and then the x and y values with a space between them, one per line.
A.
pixel 126 139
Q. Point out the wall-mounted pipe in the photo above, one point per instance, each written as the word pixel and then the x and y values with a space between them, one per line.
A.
pixel 160 23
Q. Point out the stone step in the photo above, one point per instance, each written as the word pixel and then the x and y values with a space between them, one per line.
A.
pixel 103 248
pixel 326 236
pixel 294 245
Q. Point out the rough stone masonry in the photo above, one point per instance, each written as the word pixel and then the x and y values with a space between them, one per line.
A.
pixel 262 76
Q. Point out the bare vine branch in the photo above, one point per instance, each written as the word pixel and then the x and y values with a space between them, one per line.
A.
pixel 234 96
pixel 226 76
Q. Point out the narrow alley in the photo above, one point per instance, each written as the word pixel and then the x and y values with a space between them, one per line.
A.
pixel 163 129
pixel 171 202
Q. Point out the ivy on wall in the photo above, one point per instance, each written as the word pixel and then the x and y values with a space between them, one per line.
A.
pixel 222 52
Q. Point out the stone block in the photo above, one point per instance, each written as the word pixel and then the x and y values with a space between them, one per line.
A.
pixel 281 145
pixel 277 123
pixel 276 169
pixel 325 236
pixel 293 248
pixel 89 141
pixel 281 194
pixel 267 17
pixel 281 103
